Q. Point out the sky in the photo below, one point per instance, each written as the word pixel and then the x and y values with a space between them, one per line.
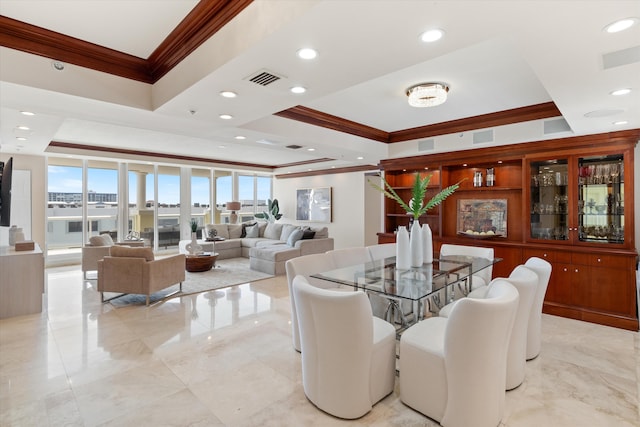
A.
pixel 66 179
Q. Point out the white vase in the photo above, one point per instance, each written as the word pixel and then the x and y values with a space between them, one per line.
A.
pixel 194 248
pixel 403 253
pixel 415 242
pixel 13 234
pixel 427 244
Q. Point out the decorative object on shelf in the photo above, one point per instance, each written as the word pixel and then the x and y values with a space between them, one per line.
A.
pixel 427 244
pixel 403 251
pixel 416 206
pixel 491 177
pixel 193 247
pixel 477 179
pixel 415 244
pixel 427 94
pixel 13 235
pixel 233 207
pixel 272 214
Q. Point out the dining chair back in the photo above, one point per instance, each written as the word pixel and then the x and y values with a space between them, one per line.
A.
pixel 543 270
pixel 453 369
pixel 481 278
pixel 348 356
pixel 306 265
pixel 382 251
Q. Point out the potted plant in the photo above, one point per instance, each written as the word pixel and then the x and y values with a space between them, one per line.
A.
pixel 415 249
pixel 272 214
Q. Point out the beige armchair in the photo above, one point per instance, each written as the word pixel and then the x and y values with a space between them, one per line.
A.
pixel 135 271
pixel 98 248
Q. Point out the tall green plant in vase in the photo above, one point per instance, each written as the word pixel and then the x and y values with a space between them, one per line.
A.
pixel 416 249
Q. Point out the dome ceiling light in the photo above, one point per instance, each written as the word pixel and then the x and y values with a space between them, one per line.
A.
pixel 427 94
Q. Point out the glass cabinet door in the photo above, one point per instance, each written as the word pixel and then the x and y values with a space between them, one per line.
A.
pixel 601 199
pixel 549 200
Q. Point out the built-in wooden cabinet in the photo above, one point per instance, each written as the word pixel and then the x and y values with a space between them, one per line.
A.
pixel 569 201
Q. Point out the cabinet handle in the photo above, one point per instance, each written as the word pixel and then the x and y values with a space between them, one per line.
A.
pixel 576 270
pixel 565 269
pixel 544 255
pixel 599 260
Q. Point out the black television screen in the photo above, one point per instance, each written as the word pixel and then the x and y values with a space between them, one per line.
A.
pixel 6 170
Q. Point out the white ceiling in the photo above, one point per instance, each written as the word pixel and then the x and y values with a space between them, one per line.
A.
pixel 496 55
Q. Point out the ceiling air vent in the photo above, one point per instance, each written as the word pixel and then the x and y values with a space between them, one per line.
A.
pixel 263 78
pixel 294 147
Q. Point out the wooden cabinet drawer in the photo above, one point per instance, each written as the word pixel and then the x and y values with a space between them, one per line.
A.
pixel 602 260
pixel 547 255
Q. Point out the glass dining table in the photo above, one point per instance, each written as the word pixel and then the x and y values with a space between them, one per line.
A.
pixel 428 286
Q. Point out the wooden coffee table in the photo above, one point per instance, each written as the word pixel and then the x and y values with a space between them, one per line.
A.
pixel 199 263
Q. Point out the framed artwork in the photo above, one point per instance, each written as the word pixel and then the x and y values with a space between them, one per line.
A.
pixel 313 204
pixel 482 218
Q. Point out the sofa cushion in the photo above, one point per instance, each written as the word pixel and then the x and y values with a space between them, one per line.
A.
pixel 273 231
pixel 307 233
pixel 252 231
pixel 287 229
pixel 221 230
pixel 127 251
pixel 262 226
pixel 321 232
pixel 101 240
pixel 295 236
pixel 274 253
pixel 235 231
pixel 252 242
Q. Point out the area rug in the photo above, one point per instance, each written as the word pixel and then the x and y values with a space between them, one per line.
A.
pixel 227 272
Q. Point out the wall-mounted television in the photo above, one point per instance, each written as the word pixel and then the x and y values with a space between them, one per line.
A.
pixel 6 170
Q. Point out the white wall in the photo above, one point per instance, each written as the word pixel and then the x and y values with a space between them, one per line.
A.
pixel 348 204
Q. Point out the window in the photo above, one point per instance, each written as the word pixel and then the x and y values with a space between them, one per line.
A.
pixel 65 205
pixel 76 226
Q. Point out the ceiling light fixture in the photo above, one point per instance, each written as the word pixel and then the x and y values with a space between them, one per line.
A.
pixel 427 94
pixel 21 127
pixel 228 94
pixel 27 113
pixel 311 149
pixel 359 158
pixel 21 138
pixel 620 25
pixel 431 36
pixel 620 122
pixel 620 92
pixel 240 137
pixel 307 53
pixel 226 116
pixel 298 89
pixel 57 65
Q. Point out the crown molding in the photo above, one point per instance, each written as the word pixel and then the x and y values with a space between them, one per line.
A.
pixel 363 168
pixel 206 18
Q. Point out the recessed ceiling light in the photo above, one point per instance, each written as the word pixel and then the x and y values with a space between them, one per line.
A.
pixel 226 116
pixel 621 25
pixel 431 35
pixel 311 149
pixel 464 164
pixel 298 89
pixel 228 94
pixel 23 127
pixel 620 122
pixel 27 113
pixel 619 92
pixel 359 158
pixel 221 146
pixel 603 113
pixel 57 65
pixel 21 138
pixel 307 53
pixel 240 137
pixel 333 167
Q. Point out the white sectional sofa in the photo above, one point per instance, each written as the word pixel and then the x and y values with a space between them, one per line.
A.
pixel 267 245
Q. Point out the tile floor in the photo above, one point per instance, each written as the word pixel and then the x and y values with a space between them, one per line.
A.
pixel 225 358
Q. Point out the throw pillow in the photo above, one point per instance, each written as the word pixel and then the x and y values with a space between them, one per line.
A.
pixel 294 237
pixel 235 231
pixel 273 231
pixel 100 240
pixel 127 251
pixel 321 233
pixel 221 230
pixel 252 231
pixel 244 228
pixel 287 229
pixel 308 234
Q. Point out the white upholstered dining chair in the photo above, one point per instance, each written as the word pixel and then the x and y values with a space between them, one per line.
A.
pixel 348 356
pixel 543 270
pixel 382 251
pixel 349 256
pixel 453 369
pixel 306 265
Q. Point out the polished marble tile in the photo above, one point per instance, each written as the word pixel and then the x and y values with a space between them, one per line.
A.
pixel 225 358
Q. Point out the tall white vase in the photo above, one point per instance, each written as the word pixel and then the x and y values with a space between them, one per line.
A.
pixel 427 244
pixel 194 248
pixel 403 253
pixel 415 242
